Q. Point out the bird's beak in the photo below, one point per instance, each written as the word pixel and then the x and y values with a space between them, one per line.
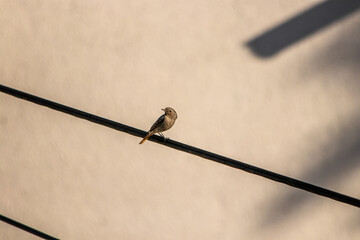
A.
pixel 163 109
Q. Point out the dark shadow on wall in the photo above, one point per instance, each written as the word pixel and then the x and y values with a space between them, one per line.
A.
pixel 337 159
pixel 340 155
pixel 301 26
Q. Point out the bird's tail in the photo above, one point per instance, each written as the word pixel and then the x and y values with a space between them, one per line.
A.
pixel 146 137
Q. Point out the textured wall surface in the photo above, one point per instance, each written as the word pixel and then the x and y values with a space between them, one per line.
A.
pixel 295 112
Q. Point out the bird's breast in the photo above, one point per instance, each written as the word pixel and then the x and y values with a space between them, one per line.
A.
pixel 169 122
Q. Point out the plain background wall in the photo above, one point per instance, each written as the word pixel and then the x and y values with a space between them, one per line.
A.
pixel 295 113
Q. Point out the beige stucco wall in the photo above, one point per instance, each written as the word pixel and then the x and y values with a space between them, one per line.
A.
pixel 295 113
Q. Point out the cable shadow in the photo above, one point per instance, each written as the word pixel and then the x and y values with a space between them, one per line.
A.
pixel 301 26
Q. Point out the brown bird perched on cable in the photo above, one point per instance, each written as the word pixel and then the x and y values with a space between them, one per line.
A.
pixel 164 122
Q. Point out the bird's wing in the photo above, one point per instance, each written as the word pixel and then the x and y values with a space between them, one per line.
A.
pixel 158 123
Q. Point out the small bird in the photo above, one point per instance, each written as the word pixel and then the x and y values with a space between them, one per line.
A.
pixel 164 122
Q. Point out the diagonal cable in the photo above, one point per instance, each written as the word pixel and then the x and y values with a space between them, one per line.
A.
pixel 26 228
pixel 185 148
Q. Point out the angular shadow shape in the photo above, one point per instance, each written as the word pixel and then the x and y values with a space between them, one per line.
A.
pixel 341 155
pixel 301 26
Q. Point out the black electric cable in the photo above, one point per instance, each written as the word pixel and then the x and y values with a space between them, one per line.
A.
pixel 26 228
pixel 185 148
